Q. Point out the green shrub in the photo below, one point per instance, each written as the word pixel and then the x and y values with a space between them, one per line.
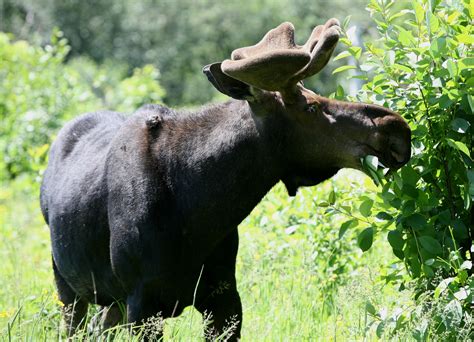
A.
pixel 422 67
pixel 39 92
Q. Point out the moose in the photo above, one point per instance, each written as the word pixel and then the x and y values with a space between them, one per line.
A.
pixel 143 210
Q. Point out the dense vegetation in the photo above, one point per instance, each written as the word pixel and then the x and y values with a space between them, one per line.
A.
pixel 301 267
pixel 423 67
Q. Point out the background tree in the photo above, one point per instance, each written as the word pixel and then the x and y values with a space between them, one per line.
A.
pixel 179 37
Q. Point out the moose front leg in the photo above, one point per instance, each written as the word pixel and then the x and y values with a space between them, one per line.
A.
pixel 142 306
pixel 219 297
pixel 223 308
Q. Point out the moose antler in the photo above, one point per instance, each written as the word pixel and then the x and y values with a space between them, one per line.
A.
pixel 276 63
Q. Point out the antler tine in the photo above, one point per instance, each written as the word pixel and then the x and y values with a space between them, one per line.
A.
pixel 271 63
pixel 281 37
pixel 276 63
pixel 320 45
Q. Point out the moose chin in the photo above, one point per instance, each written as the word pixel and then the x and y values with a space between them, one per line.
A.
pixel 143 210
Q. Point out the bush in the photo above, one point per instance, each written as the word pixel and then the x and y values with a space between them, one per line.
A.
pixel 39 92
pixel 422 67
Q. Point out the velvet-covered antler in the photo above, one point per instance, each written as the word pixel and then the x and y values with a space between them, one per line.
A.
pixel 276 63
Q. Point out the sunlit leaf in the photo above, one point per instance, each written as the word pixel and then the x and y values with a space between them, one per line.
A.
pixel 459 146
pixel 343 68
pixel 342 55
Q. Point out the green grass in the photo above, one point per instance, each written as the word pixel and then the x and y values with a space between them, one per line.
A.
pixel 297 280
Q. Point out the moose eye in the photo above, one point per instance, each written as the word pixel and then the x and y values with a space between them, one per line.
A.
pixel 312 108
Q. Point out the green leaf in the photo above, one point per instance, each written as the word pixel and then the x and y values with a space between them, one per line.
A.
pixel 345 41
pixel 470 176
pixel 342 55
pixel 346 225
pixel 434 23
pixel 370 308
pixel 419 11
pixel 402 68
pixel 370 167
pixel 470 99
pixel 395 239
pixel 460 230
pixel 430 244
pixel 345 23
pixel 452 68
pixel 405 37
pixel 355 51
pixel 340 92
pixel 416 221
pixel 438 47
pixel 365 207
pixel 443 285
pixel 434 4
pixel 384 216
pixel 365 239
pixel 399 254
pixel 410 176
pixel 371 162
pixel 428 271
pixel 466 265
pixel 465 63
pixel 343 68
pixel 465 38
pixel 460 125
pixel 332 197
pixel 398 15
pixel 459 146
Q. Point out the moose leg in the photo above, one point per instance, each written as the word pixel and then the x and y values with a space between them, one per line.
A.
pixel 224 310
pixel 221 300
pixel 141 309
pixel 75 308
pixel 112 316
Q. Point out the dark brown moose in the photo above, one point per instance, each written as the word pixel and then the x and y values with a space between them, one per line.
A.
pixel 143 211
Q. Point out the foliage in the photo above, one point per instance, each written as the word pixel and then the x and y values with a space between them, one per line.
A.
pixel 39 93
pixel 422 66
pixel 179 37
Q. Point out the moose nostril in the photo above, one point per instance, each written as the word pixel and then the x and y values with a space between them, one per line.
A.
pixel 400 152
pixel 399 157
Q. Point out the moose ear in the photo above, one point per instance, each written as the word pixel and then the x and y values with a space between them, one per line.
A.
pixel 226 84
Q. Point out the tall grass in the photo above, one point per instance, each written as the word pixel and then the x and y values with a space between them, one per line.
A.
pixel 297 280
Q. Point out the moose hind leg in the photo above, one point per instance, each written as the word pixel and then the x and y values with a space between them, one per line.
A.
pixel 74 309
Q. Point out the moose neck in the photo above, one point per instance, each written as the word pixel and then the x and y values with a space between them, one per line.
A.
pixel 223 159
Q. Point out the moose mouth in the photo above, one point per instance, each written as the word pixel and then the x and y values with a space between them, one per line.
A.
pixel 389 158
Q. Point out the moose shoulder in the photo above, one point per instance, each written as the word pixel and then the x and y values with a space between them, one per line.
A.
pixel 144 211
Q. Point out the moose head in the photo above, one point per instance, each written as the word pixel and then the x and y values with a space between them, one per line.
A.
pixel 323 135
